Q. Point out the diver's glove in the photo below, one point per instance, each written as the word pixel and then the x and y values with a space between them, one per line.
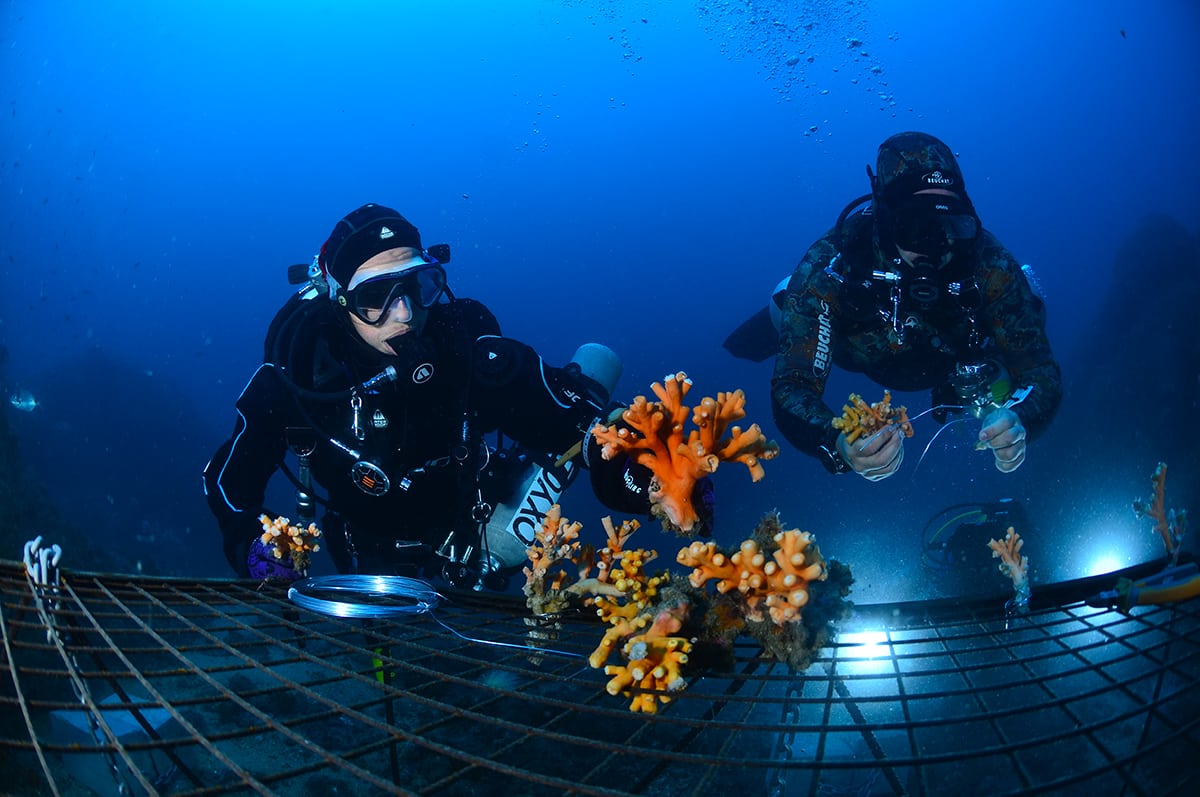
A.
pixel 262 564
pixel 1004 433
pixel 878 457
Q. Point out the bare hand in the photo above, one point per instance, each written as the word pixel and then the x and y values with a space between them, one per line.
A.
pixel 1005 435
pixel 876 458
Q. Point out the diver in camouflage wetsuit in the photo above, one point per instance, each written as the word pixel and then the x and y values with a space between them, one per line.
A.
pixel 914 293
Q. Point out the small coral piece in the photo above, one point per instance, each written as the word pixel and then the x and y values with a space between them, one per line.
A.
pixel 1169 524
pixel 610 553
pixel 647 633
pixel 625 597
pixel 653 435
pixel 656 662
pixel 549 587
pixel 629 610
pixel 1013 565
pixel 779 569
pixel 860 419
pixel 780 582
pixel 286 540
pixel 1008 551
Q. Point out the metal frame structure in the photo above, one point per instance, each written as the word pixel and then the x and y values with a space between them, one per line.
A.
pixel 165 686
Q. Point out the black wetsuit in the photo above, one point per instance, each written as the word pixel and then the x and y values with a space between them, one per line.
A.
pixel 458 370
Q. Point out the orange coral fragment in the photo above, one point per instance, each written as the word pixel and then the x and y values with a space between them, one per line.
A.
pixel 779 582
pixel 557 545
pixel 1012 563
pixel 860 419
pixel 1168 523
pixel 613 551
pixel 287 539
pixel 654 437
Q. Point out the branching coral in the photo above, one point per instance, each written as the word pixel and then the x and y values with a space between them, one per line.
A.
pixel 549 587
pixel 625 597
pixel 1013 565
pixel 1008 551
pixel 780 583
pixel 656 661
pixel 653 434
pixel 779 569
pixel 665 629
pixel 646 633
pixel 1169 524
pixel 286 540
pixel 860 419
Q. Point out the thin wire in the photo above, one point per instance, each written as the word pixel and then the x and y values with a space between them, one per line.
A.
pixel 918 416
pixel 498 644
pixel 421 593
pixel 936 434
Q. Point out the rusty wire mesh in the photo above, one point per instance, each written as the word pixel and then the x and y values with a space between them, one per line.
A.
pixel 216 688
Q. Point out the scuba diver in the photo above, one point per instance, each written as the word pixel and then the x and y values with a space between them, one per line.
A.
pixel 384 387
pixel 913 292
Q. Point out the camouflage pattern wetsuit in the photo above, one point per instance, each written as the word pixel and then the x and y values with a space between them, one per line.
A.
pixel 827 323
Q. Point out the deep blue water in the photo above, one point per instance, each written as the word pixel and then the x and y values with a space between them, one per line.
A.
pixel 635 173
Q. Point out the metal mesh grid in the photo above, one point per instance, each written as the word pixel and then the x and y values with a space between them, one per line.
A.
pixel 215 688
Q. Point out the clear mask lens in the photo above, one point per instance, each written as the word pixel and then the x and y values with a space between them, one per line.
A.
pixel 394 295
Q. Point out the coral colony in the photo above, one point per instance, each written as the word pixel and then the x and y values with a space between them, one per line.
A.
pixel 655 438
pixel 286 540
pixel 662 627
pixel 658 624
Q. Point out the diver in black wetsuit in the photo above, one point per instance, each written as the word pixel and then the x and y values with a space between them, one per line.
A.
pixel 383 385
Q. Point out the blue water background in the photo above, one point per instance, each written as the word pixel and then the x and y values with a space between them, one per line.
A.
pixel 634 173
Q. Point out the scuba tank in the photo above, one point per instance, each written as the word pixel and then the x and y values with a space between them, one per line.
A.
pixel 514 524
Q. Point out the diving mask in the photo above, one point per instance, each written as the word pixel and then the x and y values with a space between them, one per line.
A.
pixel 933 225
pixel 373 300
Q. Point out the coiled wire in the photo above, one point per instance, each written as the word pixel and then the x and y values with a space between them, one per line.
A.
pixel 386 596
pixel 366 595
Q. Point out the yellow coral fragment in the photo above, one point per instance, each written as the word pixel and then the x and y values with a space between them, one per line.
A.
pixel 860 419
pixel 655 664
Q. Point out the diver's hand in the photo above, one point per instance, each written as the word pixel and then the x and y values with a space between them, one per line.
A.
pixel 1005 435
pixel 877 458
